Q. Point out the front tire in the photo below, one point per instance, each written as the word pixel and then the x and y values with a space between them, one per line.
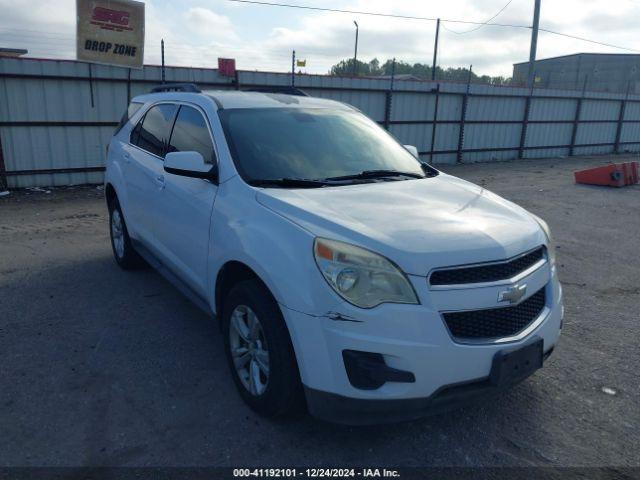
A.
pixel 259 350
pixel 126 257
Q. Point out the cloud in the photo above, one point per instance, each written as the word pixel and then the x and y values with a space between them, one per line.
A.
pixel 27 25
pixel 208 24
pixel 261 37
pixel 39 15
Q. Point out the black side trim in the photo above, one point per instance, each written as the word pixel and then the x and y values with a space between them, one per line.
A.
pixel 171 277
pixel 211 175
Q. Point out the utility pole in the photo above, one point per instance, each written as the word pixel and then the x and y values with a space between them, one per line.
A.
pixel 162 55
pixel 393 73
pixel 435 52
pixel 355 54
pixel 293 68
pixel 534 44
pixel 389 97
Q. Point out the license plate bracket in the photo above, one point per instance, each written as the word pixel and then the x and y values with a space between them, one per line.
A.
pixel 510 367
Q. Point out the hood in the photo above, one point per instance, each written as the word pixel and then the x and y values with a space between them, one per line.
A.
pixel 418 224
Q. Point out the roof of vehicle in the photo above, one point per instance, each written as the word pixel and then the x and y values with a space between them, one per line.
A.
pixel 245 99
pixel 228 99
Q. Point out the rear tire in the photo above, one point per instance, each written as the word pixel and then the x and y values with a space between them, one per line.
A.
pixel 259 350
pixel 125 255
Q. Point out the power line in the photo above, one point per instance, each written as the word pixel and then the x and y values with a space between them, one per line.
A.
pixel 69 41
pixel 66 41
pixel 589 40
pixel 187 55
pixel 378 14
pixel 430 19
pixel 483 24
pixel 374 14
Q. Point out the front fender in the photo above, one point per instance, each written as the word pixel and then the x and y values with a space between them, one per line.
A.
pixel 279 251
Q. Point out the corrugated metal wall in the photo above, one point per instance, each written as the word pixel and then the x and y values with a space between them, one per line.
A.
pixel 59 116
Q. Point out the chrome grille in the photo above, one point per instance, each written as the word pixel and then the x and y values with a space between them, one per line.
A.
pixel 487 273
pixel 495 323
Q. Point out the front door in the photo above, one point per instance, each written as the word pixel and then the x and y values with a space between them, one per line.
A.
pixel 185 205
pixel 144 170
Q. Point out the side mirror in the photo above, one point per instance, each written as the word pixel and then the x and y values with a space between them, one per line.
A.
pixel 190 164
pixel 413 151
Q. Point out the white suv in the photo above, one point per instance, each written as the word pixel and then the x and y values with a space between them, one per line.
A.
pixel 343 271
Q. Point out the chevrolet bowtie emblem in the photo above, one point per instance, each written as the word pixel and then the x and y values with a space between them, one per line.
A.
pixel 512 294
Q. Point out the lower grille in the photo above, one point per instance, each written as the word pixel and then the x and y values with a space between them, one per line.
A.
pixel 495 322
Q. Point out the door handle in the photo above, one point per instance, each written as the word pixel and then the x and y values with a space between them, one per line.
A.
pixel 127 157
pixel 160 181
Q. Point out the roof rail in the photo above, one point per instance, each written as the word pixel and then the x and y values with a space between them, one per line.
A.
pixel 176 87
pixel 285 89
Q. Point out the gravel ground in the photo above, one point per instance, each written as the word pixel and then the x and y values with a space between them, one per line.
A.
pixel 104 367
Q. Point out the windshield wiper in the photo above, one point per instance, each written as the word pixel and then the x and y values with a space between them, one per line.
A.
pixel 366 174
pixel 287 182
pixel 428 170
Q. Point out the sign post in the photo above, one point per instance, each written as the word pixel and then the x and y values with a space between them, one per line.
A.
pixel 110 32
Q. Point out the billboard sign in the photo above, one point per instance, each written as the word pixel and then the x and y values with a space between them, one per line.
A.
pixel 110 32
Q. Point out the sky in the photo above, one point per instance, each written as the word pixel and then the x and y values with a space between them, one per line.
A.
pixel 197 32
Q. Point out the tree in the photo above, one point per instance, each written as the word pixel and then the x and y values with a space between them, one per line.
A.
pixel 345 68
pixel 420 70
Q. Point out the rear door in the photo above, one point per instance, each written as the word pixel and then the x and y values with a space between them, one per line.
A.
pixel 144 157
pixel 185 205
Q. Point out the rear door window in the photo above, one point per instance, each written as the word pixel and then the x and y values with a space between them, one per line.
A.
pixel 152 132
pixel 191 134
pixel 128 113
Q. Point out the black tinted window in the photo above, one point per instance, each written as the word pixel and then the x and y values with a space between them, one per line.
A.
pixel 152 133
pixel 190 134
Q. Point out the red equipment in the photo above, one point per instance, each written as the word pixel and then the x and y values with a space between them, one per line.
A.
pixel 614 175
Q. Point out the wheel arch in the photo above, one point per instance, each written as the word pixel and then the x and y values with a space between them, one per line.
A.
pixel 230 274
pixel 110 193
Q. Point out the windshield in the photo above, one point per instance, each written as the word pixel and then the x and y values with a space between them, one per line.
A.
pixel 311 144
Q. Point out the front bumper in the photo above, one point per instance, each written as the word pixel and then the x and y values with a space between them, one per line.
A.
pixel 411 338
pixel 356 411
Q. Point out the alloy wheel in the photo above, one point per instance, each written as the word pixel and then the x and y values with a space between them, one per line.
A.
pixel 117 233
pixel 249 350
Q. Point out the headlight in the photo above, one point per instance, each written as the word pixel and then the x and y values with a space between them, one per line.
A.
pixel 361 277
pixel 551 246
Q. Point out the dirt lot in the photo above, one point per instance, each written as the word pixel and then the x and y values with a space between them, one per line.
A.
pixel 104 367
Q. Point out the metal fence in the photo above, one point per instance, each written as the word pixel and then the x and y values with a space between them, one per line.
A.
pixel 56 117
